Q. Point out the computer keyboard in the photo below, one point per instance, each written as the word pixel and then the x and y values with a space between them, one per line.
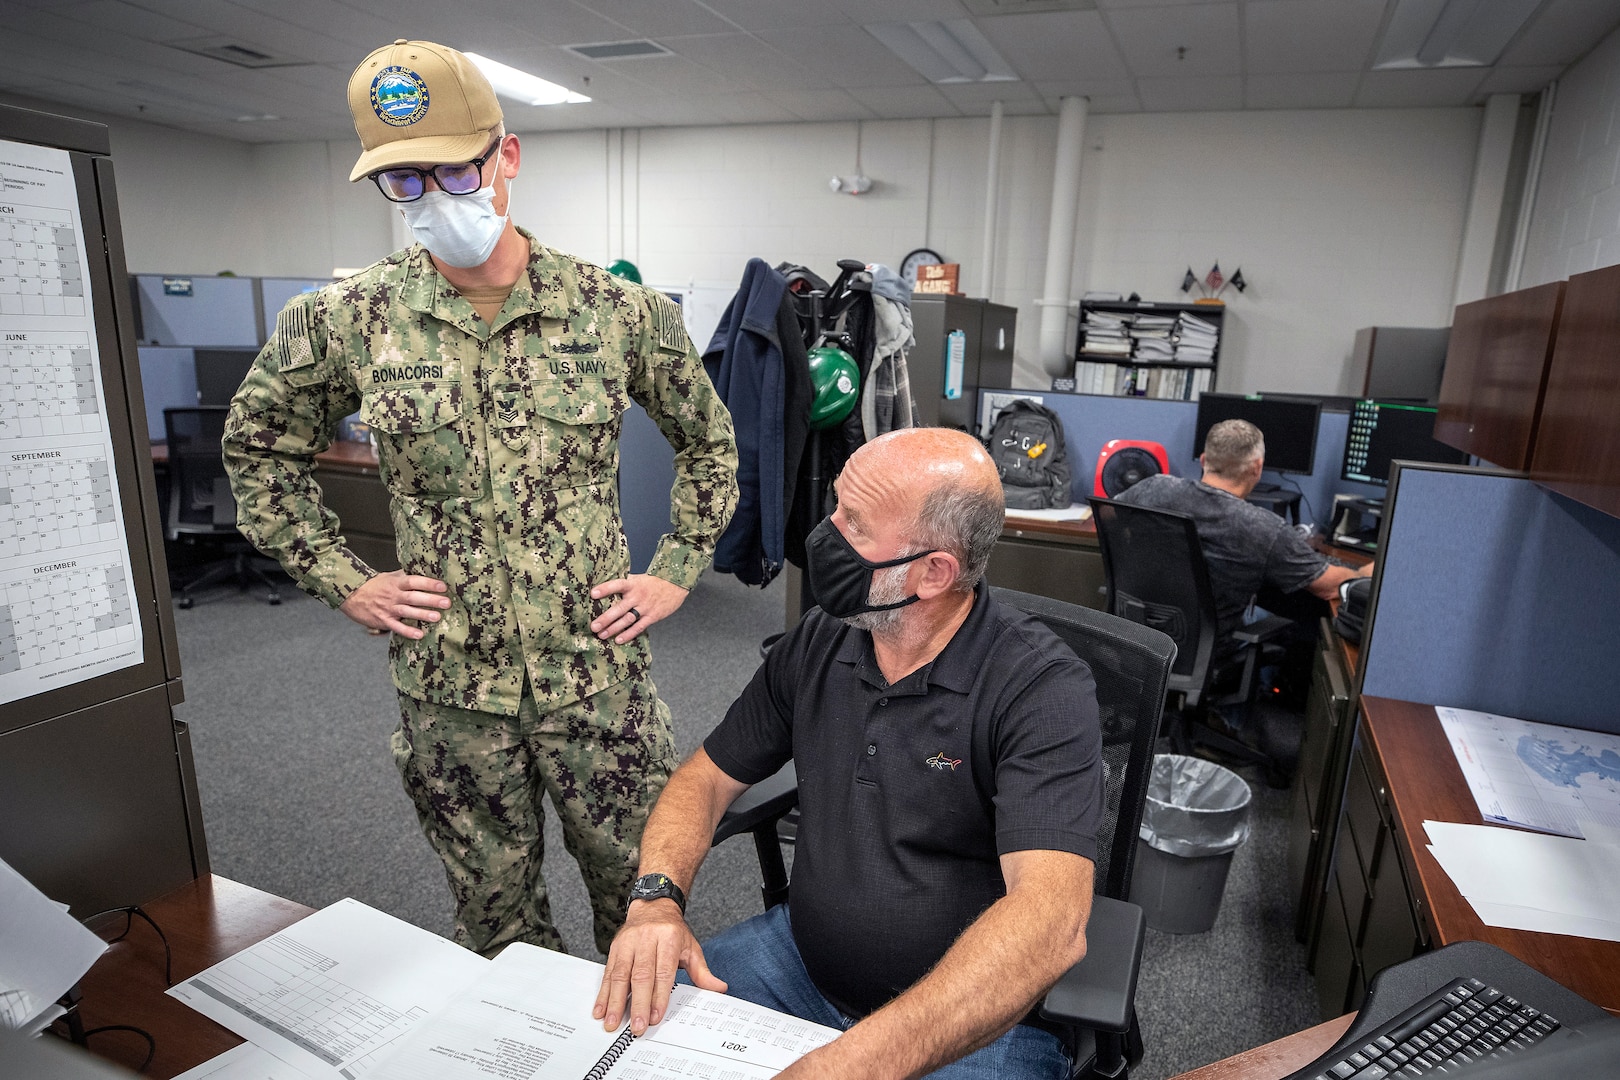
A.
pixel 1451 1029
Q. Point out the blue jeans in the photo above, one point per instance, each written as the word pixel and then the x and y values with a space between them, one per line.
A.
pixel 760 962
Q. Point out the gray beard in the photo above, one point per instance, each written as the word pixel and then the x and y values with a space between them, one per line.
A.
pixel 888 587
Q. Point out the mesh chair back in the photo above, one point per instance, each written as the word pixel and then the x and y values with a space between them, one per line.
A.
pixel 1130 664
pixel 199 492
pixel 1157 576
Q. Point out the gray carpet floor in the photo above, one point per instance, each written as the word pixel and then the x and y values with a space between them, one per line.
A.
pixel 290 709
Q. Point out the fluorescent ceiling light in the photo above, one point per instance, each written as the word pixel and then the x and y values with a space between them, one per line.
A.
pixel 1451 33
pixel 520 86
pixel 949 51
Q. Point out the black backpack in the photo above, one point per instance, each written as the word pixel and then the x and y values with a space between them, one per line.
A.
pixel 1026 443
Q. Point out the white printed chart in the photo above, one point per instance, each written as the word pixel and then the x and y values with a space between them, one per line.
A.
pixel 1541 776
pixel 67 594
pixel 40 272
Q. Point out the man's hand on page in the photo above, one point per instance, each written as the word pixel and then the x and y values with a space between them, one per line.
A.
pixel 654 943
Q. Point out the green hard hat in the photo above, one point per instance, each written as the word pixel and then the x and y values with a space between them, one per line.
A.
pixel 626 269
pixel 837 384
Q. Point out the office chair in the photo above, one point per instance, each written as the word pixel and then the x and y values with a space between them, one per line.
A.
pixel 201 509
pixel 1157 576
pixel 1094 999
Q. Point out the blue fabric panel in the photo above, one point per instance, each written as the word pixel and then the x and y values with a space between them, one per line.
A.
pixel 219 313
pixel 1500 596
pixel 168 381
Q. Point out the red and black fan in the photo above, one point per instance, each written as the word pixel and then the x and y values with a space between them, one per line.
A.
pixel 1124 462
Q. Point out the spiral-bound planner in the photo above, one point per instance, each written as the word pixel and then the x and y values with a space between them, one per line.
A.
pixel 528 1017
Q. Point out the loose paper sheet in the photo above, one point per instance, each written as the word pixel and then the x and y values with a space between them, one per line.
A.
pixel 328 993
pixel 43 952
pixel 1532 881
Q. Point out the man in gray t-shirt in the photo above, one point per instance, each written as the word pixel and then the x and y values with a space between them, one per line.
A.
pixel 1246 546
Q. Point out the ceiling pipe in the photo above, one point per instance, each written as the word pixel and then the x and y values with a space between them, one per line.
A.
pixel 987 254
pixel 1054 306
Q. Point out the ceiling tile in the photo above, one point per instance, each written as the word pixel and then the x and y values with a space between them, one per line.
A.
pixel 1118 5
pixel 1322 90
pixel 867 12
pixel 846 54
pixel 1418 89
pixel 749 62
pixel 359 29
pixel 1151 38
pixel 1518 80
pixel 821 105
pixel 1055 44
pixel 780 14
pixel 122 18
pixel 658 18
pixel 748 109
pixel 1195 93
pixel 1104 95
pixel 975 99
pixel 1562 33
pixel 904 102
pixel 677 75
pixel 594 114
pixel 1282 36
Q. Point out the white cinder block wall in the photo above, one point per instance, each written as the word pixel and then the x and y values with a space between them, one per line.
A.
pixel 1575 224
pixel 1340 219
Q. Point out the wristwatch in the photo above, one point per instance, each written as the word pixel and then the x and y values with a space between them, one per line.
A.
pixel 658 887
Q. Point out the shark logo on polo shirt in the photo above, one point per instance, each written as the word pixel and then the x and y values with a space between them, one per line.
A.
pixel 941 762
pixel 399 96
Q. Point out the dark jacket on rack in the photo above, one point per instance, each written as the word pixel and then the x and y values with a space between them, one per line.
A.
pixel 757 362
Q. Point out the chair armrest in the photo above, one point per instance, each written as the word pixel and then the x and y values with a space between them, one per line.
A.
pixel 1099 991
pixel 760 804
pixel 1257 633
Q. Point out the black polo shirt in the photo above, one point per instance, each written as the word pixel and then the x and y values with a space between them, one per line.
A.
pixel 908 794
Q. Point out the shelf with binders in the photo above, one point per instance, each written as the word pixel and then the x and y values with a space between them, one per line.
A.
pixel 1145 349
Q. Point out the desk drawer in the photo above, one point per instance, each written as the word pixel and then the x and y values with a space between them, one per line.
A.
pixel 1366 810
pixel 360 501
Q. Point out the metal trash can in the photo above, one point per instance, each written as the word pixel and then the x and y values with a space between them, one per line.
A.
pixel 1197 815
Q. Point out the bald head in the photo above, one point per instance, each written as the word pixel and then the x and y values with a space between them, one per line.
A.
pixel 946 484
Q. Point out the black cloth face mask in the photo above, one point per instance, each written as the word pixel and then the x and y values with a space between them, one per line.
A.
pixel 840 578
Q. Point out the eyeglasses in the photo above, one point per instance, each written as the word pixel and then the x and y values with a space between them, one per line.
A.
pixel 408 183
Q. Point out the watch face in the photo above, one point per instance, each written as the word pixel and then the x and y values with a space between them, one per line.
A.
pixel 919 257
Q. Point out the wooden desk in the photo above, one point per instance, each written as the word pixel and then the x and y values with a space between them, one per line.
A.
pixel 206 921
pixel 1426 784
pixel 1276 1059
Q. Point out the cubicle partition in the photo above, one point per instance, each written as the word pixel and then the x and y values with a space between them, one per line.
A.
pixel 196 310
pixel 273 296
pixel 1090 420
pixel 1498 595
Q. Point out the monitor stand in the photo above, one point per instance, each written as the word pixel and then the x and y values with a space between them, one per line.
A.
pixel 1356 520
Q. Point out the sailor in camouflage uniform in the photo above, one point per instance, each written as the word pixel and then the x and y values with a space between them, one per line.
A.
pixel 494 373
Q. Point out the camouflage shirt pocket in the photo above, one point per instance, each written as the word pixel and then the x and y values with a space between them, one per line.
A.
pixel 422 446
pixel 578 421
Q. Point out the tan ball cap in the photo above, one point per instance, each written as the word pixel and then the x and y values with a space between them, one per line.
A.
pixel 414 101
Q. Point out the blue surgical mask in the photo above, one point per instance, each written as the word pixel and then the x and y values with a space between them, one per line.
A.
pixel 459 230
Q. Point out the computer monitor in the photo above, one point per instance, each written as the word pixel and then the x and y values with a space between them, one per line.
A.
pixel 1289 427
pixel 220 372
pixel 1386 431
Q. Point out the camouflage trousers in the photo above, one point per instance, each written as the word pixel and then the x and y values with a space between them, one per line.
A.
pixel 479 781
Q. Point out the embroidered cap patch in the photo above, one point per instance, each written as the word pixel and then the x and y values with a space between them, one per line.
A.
pixel 399 97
